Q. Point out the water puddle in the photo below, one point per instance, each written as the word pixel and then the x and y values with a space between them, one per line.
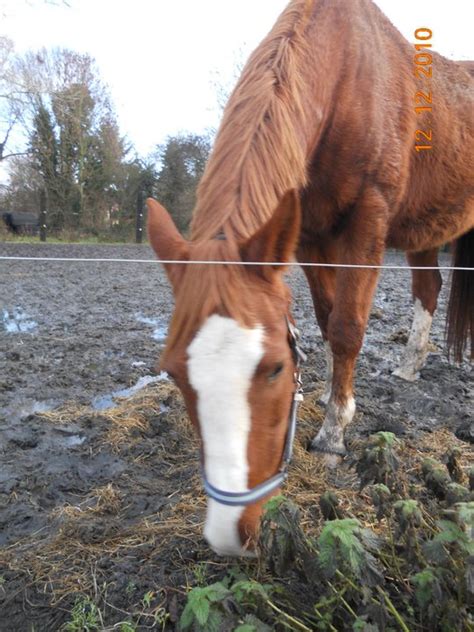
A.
pixel 70 437
pixel 160 330
pixel 17 412
pixel 101 402
pixel 17 321
pixel 74 440
pixel 42 407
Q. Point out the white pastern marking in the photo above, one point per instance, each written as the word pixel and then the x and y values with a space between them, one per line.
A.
pixel 222 359
pixel 417 345
pixel 331 433
pixel 346 413
pixel 339 415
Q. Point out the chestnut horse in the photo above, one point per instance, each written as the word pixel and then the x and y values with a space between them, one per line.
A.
pixel 315 159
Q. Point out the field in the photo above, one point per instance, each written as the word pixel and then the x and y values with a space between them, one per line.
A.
pixel 101 507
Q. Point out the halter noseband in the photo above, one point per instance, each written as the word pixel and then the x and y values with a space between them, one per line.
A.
pixel 235 499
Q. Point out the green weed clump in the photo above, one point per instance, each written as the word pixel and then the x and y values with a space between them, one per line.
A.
pixel 379 461
pixel 408 565
pixel 85 616
pixel 231 604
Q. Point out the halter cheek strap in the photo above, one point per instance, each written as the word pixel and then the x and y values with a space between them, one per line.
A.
pixel 242 499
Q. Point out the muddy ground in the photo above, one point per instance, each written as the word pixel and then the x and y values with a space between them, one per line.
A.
pixel 102 501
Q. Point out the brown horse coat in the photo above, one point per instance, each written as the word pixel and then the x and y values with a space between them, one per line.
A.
pixel 325 106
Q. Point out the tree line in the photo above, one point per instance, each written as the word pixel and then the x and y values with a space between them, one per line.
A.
pixel 60 139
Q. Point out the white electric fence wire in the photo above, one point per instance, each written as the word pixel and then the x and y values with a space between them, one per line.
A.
pixel 238 263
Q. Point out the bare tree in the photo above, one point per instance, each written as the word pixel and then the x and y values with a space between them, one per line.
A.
pixel 223 86
pixel 73 136
pixel 6 5
pixel 182 160
pixel 10 99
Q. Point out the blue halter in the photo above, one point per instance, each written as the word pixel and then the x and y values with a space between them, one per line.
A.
pixel 241 499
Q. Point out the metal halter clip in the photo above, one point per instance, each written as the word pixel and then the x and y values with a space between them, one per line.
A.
pixel 294 335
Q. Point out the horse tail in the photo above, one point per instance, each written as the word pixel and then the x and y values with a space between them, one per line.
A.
pixel 460 316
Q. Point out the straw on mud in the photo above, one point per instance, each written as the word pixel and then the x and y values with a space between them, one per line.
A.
pixel 104 499
pixel 128 417
pixel 62 563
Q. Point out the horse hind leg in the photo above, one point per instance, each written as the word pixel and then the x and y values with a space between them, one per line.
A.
pixel 426 285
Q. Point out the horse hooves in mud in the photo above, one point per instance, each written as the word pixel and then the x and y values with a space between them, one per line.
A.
pixel 330 461
pixel 407 374
pixel 327 456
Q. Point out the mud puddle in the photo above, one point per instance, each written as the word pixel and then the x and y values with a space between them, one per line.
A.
pixel 103 402
pixel 17 321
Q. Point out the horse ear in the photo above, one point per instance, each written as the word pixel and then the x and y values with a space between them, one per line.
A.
pixel 166 240
pixel 276 241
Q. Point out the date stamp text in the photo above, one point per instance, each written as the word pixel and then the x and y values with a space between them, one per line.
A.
pixel 423 69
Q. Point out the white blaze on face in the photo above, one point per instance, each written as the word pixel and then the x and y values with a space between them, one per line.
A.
pixel 222 359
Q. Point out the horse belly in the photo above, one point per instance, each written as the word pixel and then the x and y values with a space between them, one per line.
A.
pixel 431 228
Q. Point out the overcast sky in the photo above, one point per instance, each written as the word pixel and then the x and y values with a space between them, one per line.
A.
pixel 161 57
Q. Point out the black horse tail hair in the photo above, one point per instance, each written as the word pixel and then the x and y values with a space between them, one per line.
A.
pixel 460 315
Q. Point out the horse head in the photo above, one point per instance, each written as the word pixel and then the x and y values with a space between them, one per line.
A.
pixel 233 354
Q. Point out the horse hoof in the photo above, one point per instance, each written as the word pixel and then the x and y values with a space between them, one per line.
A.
pixel 331 459
pixel 406 374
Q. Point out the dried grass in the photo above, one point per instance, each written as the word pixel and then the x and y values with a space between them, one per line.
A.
pixel 64 562
pixel 101 500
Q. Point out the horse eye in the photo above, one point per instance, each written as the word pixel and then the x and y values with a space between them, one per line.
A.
pixel 276 372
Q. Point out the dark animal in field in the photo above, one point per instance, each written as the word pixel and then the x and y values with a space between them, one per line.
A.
pixel 318 156
pixel 21 223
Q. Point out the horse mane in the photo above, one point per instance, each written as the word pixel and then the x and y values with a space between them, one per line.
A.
pixel 260 150
pixel 467 64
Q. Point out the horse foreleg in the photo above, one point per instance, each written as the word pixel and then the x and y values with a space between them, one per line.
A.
pixel 361 243
pixel 326 396
pixel 347 323
pixel 426 285
pixel 321 283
